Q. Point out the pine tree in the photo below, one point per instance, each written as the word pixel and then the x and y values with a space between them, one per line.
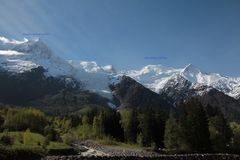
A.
pixel 172 133
pixel 129 124
pixel 159 128
pixel 1 122
pixel 220 132
pixel 194 126
pixel 112 127
pixel 146 126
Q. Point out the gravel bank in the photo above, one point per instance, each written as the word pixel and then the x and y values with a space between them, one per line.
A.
pixel 163 157
pixel 89 150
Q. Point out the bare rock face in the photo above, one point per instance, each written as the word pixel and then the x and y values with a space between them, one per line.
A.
pixel 177 89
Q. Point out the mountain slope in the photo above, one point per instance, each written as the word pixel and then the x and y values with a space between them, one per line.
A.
pixel 20 88
pixel 134 95
pixel 228 105
pixel 32 74
pixel 156 77
pixel 98 78
pixel 22 56
pixel 25 55
pixel 179 89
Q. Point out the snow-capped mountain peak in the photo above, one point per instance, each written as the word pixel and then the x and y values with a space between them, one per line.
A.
pixel 109 69
pixel 4 40
pixel 28 54
pixel 155 77
pixel 92 67
pixel 36 47
pixel 191 73
pixel 7 44
pixel 190 68
pixel 20 56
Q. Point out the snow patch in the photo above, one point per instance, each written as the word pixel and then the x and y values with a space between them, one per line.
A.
pixel 111 105
pixel 9 53
pixel 13 41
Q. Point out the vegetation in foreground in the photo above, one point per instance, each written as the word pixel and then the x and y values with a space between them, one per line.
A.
pixel 190 128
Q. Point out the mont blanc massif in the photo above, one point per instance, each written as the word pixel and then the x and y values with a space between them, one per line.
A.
pixel 32 75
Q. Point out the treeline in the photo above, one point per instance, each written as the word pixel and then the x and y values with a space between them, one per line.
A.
pixel 194 128
pixel 189 128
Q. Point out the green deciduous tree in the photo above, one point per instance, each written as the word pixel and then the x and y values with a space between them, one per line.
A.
pixel 22 119
pixel 98 126
pixel 85 120
pixel 27 137
pixel 235 127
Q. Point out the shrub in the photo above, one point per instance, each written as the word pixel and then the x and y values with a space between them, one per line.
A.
pixel 6 140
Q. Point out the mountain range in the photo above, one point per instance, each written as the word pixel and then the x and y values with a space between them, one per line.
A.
pixel 32 62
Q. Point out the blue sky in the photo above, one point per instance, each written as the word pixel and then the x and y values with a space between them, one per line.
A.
pixel 132 33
